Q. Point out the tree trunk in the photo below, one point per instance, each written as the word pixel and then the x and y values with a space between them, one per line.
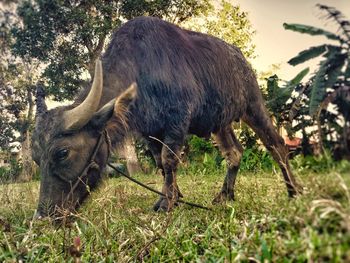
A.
pixel 26 154
pixel 320 147
pixel 129 152
pixel 27 162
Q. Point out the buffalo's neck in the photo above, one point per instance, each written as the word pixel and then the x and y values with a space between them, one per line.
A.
pixel 118 75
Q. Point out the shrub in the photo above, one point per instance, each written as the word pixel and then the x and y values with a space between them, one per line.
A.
pixel 255 159
pixel 11 173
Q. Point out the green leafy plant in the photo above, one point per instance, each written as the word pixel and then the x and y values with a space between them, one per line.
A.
pixel 309 104
pixel 309 163
pixel 255 160
pixel 203 155
pixel 199 145
pixel 330 68
pixel 280 99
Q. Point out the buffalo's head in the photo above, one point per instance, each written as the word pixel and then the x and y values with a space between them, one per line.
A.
pixel 64 140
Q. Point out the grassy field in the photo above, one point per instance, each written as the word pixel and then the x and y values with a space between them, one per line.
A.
pixel 118 225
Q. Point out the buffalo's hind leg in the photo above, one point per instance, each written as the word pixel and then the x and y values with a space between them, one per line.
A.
pixel 258 119
pixel 232 151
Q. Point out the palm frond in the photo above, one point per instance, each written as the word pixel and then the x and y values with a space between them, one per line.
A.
pixel 338 17
pixel 326 77
pixel 299 77
pixel 307 55
pixel 310 30
pixel 347 73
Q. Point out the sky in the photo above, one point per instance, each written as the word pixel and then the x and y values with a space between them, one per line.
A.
pixel 274 44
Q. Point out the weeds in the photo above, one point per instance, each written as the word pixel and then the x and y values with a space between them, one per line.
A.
pixel 117 223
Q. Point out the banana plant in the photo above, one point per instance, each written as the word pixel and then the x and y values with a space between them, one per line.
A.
pixel 331 81
pixel 281 96
pixel 334 67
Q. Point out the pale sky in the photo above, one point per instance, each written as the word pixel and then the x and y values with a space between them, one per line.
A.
pixel 274 45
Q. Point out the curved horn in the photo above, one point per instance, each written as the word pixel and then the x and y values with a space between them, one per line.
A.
pixel 77 117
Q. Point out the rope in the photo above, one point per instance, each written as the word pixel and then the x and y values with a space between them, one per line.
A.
pixel 153 190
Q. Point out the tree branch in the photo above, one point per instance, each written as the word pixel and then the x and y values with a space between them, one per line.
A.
pixel 95 53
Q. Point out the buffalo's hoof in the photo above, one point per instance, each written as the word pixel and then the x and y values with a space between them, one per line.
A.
pixel 295 190
pixel 224 196
pixel 165 204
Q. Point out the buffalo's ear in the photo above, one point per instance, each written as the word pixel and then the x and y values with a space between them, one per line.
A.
pixel 118 107
pixel 124 101
pixel 100 118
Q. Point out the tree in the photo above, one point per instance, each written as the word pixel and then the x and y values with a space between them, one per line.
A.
pixel 7 135
pixel 228 22
pixel 173 11
pixel 282 98
pixel 68 36
pixel 16 94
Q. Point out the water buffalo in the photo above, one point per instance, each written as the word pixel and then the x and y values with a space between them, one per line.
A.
pixel 168 82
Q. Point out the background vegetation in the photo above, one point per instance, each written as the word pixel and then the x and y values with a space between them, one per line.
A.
pixel 323 101
pixel 55 44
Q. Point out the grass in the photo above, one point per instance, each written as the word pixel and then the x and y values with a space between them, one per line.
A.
pixel 117 224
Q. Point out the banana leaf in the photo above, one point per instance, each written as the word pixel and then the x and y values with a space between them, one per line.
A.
pixel 310 30
pixel 298 78
pixel 307 55
pixel 326 77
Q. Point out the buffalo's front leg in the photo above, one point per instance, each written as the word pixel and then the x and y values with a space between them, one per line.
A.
pixel 156 149
pixel 170 160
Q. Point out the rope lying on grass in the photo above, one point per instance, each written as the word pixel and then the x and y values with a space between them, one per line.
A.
pixel 153 190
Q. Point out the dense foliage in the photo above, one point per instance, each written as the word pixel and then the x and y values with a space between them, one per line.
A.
pixel 324 101
pixel 16 87
pixel 321 105
pixel 228 22
pixel 67 36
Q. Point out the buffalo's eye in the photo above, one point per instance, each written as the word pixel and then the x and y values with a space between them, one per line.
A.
pixel 62 154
